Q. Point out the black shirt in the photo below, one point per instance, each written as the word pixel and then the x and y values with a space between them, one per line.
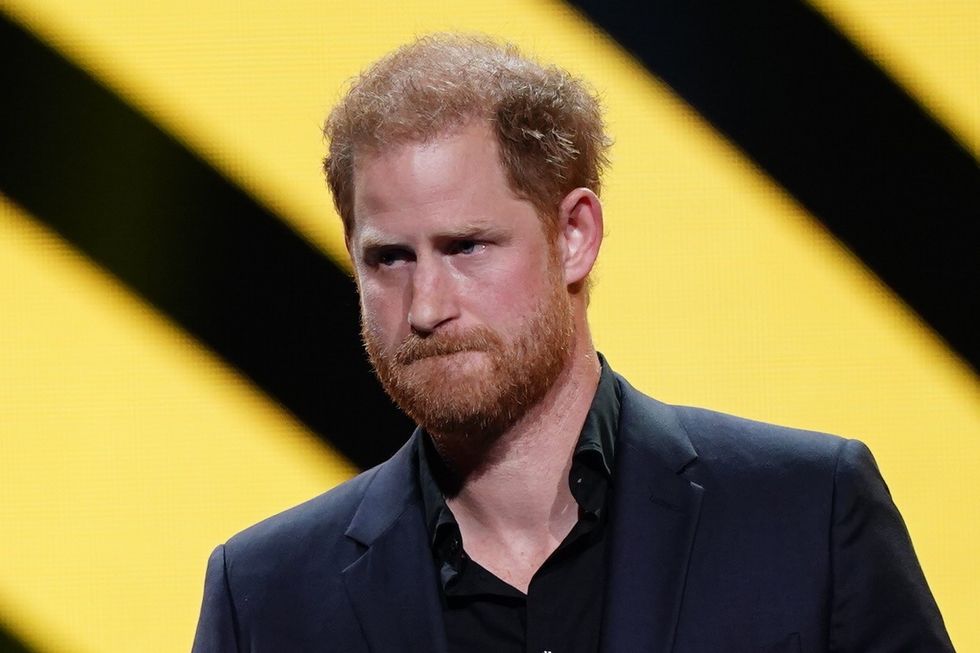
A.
pixel 562 611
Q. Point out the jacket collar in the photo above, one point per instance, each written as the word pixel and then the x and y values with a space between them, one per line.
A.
pixel 653 524
pixel 392 586
pixel 393 488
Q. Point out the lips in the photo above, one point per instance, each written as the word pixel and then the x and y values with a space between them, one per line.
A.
pixel 416 354
pixel 416 348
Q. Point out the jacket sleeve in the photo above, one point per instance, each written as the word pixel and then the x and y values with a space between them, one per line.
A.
pixel 881 602
pixel 216 629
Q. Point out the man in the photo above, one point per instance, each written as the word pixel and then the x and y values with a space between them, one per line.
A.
pixel 543 504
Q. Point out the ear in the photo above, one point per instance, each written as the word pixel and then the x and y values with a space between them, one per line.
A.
pixel 579 233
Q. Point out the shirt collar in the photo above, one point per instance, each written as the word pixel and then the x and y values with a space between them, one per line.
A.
pixel 598 437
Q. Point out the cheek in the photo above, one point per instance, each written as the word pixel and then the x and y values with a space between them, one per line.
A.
pixel 518 285
pixel 383 310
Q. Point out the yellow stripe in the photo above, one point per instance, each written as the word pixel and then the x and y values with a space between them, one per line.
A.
pixel 715 288
pixel 126 454
pixel 931 48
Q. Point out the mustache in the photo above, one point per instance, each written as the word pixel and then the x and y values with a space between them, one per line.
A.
pixel 415 348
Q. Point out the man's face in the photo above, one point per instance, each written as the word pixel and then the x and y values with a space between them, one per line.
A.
pixel 464 309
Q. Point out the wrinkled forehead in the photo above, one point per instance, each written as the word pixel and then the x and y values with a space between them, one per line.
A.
pixel 458 163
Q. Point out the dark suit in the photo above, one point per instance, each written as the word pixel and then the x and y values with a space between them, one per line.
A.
pixel 727 535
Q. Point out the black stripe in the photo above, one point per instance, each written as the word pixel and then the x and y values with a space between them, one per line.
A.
pixel 191 243
pixel 10 644
pixel 833 129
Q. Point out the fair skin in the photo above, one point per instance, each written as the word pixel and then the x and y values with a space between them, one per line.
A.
pixel 441 242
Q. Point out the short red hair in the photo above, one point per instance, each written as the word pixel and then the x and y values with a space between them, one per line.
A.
pixel 548 123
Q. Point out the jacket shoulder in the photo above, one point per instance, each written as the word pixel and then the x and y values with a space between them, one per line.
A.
pixel 287 537
pixel 707 439
pixel 324 510
pixel 717 435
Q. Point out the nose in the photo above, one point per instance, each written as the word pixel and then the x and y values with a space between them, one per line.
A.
pixel 433 297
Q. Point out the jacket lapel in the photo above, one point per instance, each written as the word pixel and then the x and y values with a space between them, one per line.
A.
pixel 393 586
pixel 654 520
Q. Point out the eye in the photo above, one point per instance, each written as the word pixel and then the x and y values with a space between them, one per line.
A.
pixel 467 246
pixel 389 257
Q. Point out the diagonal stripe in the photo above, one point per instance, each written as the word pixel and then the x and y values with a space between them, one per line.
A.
pixel 127 452
pixel 192 244
pixel 932 49
pixel 834 131
pixel 10 644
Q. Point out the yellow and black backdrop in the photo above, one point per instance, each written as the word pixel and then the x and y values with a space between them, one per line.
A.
pixel 791 218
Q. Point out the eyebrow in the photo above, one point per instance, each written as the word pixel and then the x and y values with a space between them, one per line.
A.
pixel 374 241
pixel 477 229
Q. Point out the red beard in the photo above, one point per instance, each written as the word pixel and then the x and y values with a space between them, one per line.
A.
pixel 458 399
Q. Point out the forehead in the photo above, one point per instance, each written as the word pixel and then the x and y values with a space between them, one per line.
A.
pixel 457 175
pixel 438 165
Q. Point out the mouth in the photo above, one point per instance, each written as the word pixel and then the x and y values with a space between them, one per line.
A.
pixel 444 354
pixel 415 349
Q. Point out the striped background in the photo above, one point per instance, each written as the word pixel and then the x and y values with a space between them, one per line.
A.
pixel 790 217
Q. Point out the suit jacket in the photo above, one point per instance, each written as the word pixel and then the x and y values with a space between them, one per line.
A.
pixel 727 535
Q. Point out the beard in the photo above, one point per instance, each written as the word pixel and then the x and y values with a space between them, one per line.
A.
pixel 468 387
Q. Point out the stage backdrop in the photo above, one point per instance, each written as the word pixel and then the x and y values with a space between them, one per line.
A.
pixel 789 214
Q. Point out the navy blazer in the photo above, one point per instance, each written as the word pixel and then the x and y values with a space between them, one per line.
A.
pixel 727 535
